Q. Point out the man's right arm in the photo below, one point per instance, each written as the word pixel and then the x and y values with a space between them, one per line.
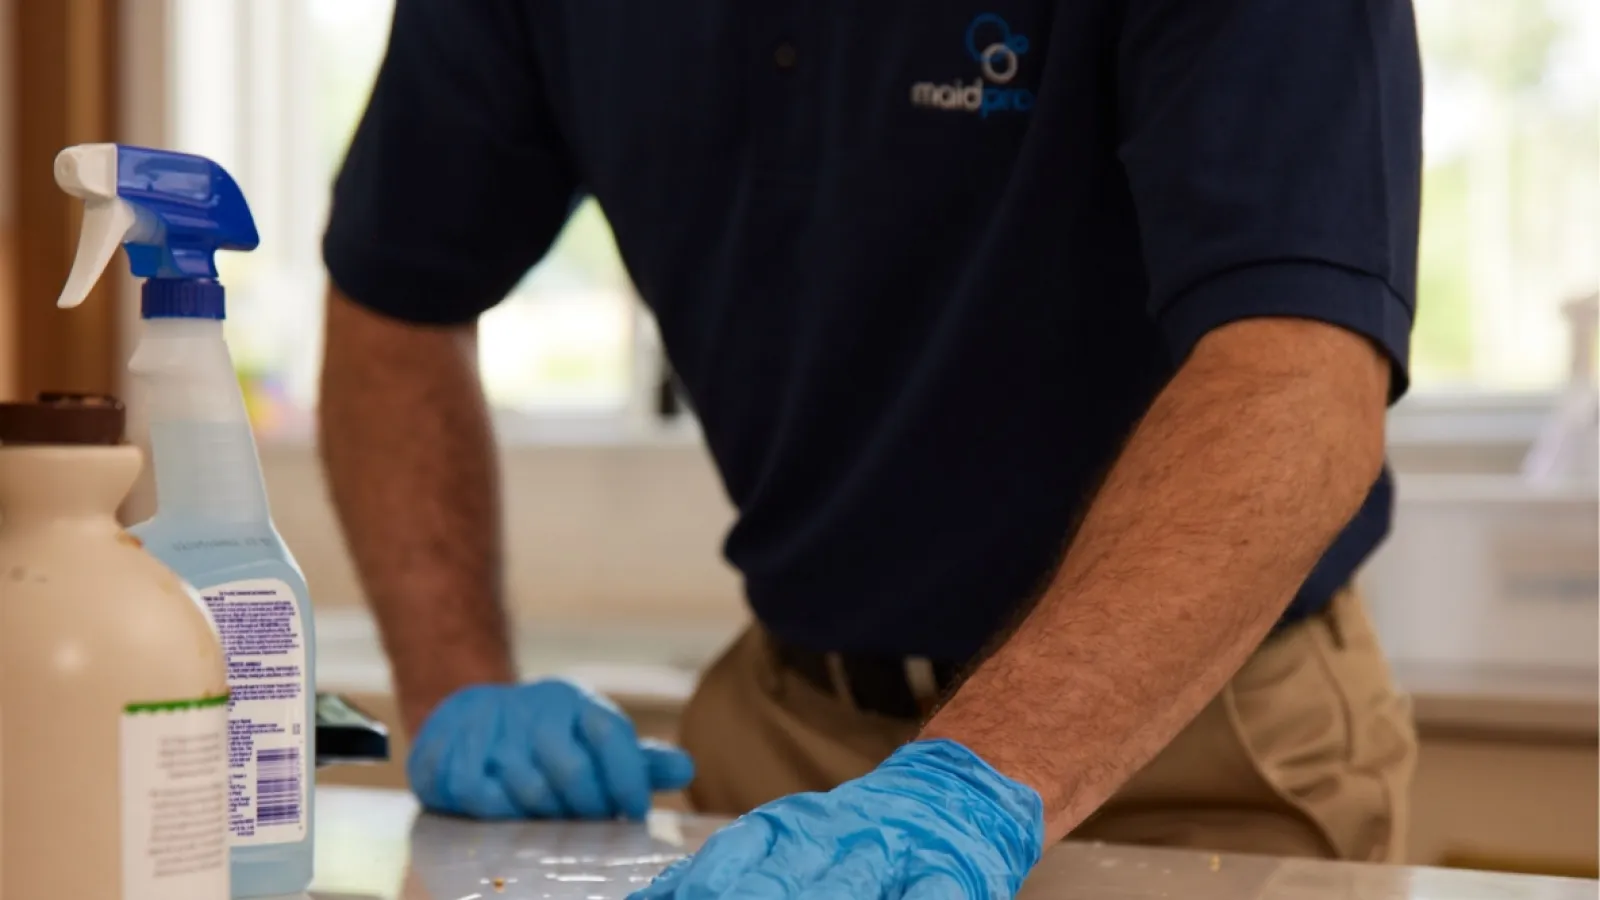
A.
pixel 408 450
pixel 456 182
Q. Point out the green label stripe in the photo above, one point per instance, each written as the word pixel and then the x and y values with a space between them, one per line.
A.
pixel 163 706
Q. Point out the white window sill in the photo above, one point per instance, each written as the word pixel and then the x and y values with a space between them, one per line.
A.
pixel 521 430
pixel 1498 424
pixel 1461 418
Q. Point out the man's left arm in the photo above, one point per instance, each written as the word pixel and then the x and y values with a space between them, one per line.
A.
pixel 1241 474
pixel 1273 151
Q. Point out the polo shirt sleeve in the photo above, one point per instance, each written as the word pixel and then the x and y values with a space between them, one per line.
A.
pixel 456 182
pixel 1273 150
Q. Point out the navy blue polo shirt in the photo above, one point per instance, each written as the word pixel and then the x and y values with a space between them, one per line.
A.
pixel 921 266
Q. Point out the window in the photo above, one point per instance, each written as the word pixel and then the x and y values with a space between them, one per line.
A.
pixel 273 88
pixel 1511 194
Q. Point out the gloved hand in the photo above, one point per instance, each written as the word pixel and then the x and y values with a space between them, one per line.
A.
pixel 544 750
pixel 934 822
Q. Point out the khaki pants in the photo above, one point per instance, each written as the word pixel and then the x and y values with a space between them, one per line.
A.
pixel 1308 751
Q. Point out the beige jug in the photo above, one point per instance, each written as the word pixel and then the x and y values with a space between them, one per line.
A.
pixel 113 689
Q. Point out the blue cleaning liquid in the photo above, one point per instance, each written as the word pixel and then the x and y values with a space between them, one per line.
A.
pixel 213 529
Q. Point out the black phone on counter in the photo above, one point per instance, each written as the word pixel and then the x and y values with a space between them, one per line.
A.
pixel 348 736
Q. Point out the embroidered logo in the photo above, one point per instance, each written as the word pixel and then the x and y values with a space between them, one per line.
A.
pixel 998 52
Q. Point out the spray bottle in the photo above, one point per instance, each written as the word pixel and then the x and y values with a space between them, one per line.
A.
pixel 172 212
pixel 1567 450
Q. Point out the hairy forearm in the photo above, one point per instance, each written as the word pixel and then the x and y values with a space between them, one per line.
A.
pixel 409 455
pixel 1241 474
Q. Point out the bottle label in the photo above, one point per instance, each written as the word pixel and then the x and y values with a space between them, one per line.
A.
pixel 269 743
pixel 175 800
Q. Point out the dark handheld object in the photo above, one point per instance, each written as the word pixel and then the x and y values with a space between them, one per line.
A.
pixel 346 735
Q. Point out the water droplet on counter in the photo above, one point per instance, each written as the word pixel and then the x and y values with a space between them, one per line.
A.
pixel 654 859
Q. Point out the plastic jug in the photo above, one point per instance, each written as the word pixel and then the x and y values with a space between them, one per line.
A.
pixel 113 689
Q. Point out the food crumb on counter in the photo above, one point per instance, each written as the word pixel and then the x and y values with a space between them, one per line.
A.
pixel 1216 863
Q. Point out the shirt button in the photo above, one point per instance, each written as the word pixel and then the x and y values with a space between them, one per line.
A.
pixel 784 56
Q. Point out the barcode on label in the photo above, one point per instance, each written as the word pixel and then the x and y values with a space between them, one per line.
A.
pixel 278 786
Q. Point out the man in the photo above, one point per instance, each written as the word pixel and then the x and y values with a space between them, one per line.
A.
pixel 1044 349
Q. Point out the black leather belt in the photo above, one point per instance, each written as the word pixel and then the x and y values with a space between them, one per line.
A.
pixel 894 686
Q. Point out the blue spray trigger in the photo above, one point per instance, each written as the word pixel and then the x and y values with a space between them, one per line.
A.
pixel 188 208
pixel 171 212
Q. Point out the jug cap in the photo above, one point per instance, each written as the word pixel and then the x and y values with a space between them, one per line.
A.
pixel 63 419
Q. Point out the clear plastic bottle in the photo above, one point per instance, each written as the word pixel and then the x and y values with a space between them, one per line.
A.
pixel 213 527
pixel 1567 450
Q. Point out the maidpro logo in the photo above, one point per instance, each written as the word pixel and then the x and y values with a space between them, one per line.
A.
pixel 998 53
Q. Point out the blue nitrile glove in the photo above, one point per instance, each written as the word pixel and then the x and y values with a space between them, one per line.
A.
pixel 545 750
pixel 933 822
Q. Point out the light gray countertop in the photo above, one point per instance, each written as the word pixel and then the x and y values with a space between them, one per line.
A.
pixel 373 845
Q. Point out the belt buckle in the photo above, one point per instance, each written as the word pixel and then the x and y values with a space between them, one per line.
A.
pixel 839 677
pixel 923 682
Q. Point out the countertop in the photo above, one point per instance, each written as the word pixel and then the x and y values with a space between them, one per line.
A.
pixel 373 845
pixel 654 667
